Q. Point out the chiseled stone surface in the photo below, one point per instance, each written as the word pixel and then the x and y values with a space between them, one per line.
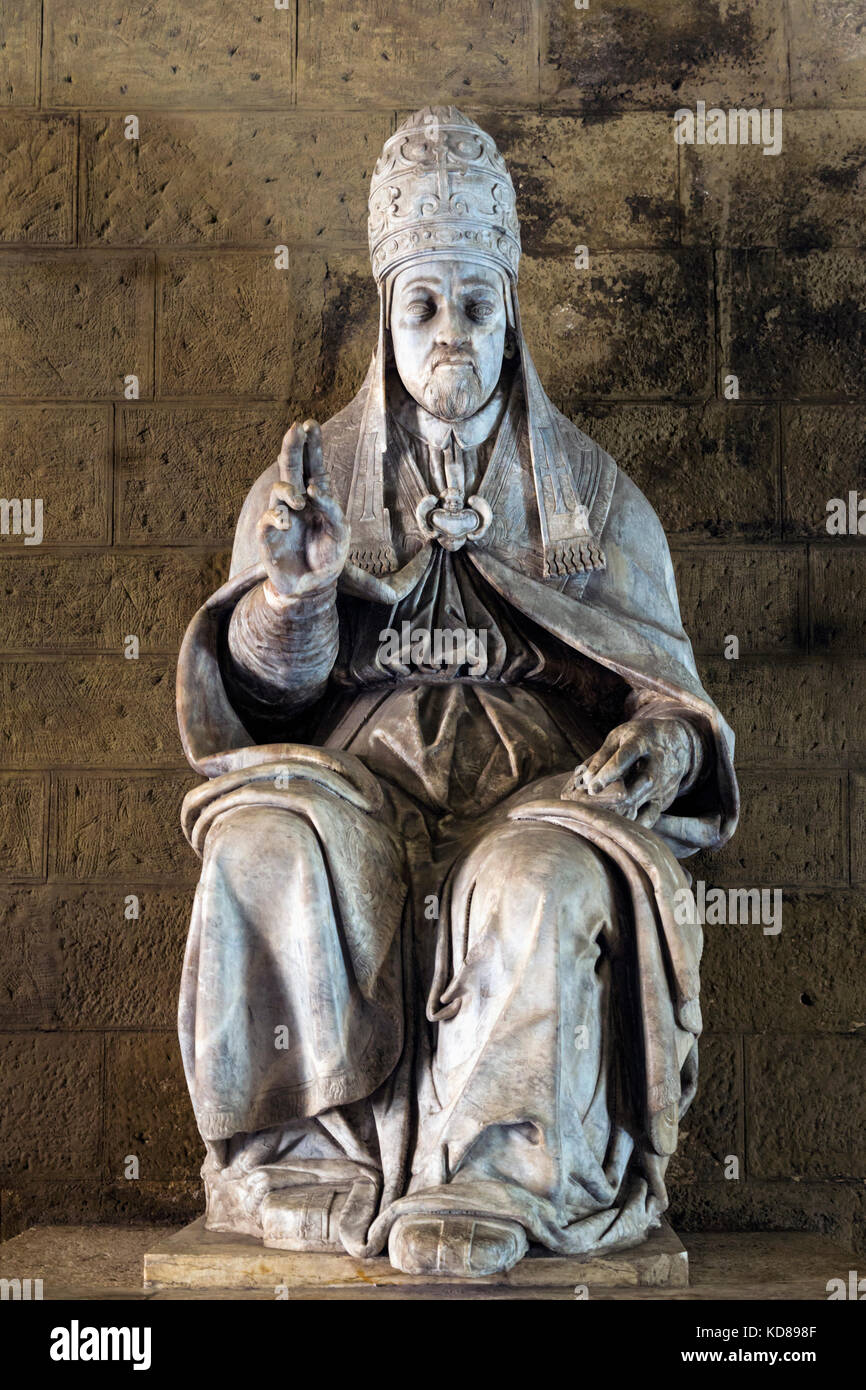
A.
pixel 779 847
pixel 37 182
pixel 75 325
pixel 712 469
pixel 381 54
pixel 196 178
pixel 627 326
pixel 23 813
pixel 790 324
pixel 813 195
pixel 168 55
pixel 89 807
pixel 63 452
pixel 665 53
pixel 99 711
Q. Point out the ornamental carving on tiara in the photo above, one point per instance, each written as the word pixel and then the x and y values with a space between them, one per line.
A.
pixel 441 183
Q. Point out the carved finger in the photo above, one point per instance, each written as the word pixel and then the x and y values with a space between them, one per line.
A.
pixel 638 792
pixel 314 466
pixel 594 764
pixel 616 766
pixel 277 518
pixel 291 464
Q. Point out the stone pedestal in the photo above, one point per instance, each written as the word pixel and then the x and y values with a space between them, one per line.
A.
pixel 196 1258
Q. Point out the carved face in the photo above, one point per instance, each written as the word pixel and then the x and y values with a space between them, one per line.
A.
pixel 448 322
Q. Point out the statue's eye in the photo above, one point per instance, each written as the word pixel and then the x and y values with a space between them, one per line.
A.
pixel 481 309
pixel 419 308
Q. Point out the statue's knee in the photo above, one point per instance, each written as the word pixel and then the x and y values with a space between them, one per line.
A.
pixel 526 862
pixel 258 839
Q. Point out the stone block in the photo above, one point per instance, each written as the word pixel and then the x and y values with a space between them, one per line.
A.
pixel 218 178
pixel 37 178
pixel 709 471
pixel 633 324
pixel 122 828
pixel 61 455
pixel 444 51
pixel 811 197
pixel 94 600
pixel 50 1122
pixel 169 55
pixel 147 1109
pixel 97 711
pixel 805 1107
pixel 76 325
pixel 664 53
pixel 183 471
pixel 23 824
pixel 792 325
pixel 755 593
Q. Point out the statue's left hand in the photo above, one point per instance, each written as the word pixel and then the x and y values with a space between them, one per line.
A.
pixel 646 758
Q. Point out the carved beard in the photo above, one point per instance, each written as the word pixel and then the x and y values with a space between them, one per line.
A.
pixel 453 393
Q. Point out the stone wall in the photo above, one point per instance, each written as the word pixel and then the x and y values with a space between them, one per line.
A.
pixel 154 258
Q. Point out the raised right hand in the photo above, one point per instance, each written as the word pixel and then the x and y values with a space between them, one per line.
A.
pixel 303 535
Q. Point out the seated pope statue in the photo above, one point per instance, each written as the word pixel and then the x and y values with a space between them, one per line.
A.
pixel 440 993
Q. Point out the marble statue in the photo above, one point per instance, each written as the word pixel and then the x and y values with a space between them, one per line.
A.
pixel 440 994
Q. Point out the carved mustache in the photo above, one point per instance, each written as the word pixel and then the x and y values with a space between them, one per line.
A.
pixel 452 359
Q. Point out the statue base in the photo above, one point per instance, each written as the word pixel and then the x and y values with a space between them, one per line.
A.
pixel 196 1258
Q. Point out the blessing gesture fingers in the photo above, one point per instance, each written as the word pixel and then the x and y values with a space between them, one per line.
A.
pixel 637 771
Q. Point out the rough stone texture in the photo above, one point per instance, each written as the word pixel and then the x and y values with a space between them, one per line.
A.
pixel 858 827
pixel 805 1096
pixel 630 325
pixel 828 49
pixel 75 325
pixel 100 712
pixel 824 458
pixel 23 815
pixel 226 323
pixel 794 325
pixel 793 833
pixel 37 162
pixel 28 963
pixel 61 454
pixel 195 179
pixel 799 710
pixel 757 594
pixel 382 54
pixel 812 195
pixel 112 55
pixel 182 472
pixel 72 959
pixel 837 574
pixel 19 53
pixel 198 1258
pixel 711 470
pixel 50 1124
pixel 583 183
pixel 148 1113
pixel 54 601
pixel 806 979
pixel 174 267
pixel 89 811
pixel 665 53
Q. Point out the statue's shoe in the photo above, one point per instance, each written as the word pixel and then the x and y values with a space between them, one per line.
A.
pixel 460 1247
pixel 303 1218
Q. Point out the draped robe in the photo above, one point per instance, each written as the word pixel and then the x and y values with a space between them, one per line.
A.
pixel 484 997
